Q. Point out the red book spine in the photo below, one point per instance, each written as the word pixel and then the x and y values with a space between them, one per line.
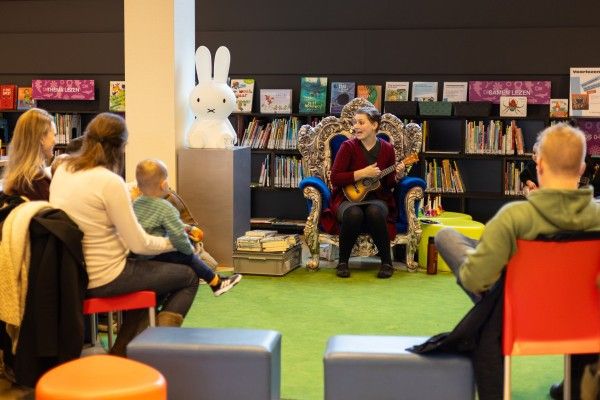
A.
pixel 8 97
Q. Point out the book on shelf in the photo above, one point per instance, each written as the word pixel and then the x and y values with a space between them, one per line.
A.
pixel 25 100
pixel 290 222
pixel 396 91
pixel 424 91
pixel 455 91
pixel 443 177
pixel 68 126
pixel 276 101
pixel 559 108
pixel 269 243
pixel 248 243
pixel 512 178
pixel 372 93
pixel 313 95
pixel 260 233
pixel 279 243
pixel 4 134
pixel 513 106
pixel 8 97
pixel 288 172
pixel 341 94
pixel 262 220
pixel 244 94
pixel 116 96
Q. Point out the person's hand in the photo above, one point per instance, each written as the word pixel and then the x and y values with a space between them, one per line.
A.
pixel 400 167
pixel 529 187
pixel 194 233
pixel 370 171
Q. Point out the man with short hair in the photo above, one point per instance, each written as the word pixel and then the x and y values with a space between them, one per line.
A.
pixel 557 206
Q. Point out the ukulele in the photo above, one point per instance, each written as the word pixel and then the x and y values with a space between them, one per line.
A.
pixel 358 190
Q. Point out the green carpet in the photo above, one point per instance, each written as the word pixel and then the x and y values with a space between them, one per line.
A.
pixel 309 307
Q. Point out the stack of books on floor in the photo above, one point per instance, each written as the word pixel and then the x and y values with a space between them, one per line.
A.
pixel 266 240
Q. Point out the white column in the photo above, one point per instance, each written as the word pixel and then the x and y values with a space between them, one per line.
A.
pixel 159 73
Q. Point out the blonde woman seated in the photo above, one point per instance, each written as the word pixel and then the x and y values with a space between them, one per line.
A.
pixel 29 151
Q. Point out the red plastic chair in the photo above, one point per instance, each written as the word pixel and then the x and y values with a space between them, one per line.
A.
pixel 551 302
pixel 131 301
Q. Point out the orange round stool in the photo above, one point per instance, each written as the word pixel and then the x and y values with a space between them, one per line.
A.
pixel 102 377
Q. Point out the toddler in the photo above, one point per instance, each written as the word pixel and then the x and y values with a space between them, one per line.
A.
pixel 160 218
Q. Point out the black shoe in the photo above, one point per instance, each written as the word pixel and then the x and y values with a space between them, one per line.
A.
pixel 342 270
pixel 556 391
pixel 226 284
pixel 386 271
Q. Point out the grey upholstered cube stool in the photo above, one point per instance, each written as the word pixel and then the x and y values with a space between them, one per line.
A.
pixel 213 364
pixel 379 367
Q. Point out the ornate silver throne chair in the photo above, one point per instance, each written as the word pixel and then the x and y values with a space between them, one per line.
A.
pixel 318 147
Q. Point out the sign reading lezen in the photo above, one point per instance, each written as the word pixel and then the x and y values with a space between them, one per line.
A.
pixel 63 89
pixel 537 92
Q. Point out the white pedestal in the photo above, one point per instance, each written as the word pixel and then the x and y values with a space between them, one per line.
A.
pixel 215 184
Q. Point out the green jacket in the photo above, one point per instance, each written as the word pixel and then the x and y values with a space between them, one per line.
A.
pixel 545 211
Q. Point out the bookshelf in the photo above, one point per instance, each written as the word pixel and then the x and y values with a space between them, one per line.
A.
pixel 84 110
pixel 487 175
pixel 276 168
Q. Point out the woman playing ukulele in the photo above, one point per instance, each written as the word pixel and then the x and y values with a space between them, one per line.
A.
pixel 365 156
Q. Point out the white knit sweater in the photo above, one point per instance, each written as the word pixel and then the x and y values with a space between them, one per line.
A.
pixel 97 200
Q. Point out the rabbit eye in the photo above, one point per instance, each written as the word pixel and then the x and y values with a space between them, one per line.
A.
pixel 223 100
pixel 198 99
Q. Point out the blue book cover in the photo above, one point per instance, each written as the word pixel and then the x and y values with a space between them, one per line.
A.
pixel 313 95
pixel 341 94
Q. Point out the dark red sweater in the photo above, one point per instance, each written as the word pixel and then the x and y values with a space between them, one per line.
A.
pixel 350 158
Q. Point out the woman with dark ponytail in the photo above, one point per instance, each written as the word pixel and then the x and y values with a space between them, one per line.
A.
pixel 88 187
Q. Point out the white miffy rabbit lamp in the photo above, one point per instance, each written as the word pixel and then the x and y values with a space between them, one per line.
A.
pixel 212 100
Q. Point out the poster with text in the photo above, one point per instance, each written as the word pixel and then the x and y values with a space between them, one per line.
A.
pixel 584 92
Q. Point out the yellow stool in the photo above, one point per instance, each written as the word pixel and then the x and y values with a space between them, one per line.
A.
pixel 449 215
pixel 467 227
pixel 102 377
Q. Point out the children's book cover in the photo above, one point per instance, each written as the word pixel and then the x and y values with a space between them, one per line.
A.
pixel 276 101
pixel 396 91
pixel 424 91
pixel 25 100
pixel 371 93
pixel 244 93
pixel 313 95
pixel 559 108
pixel 513 106
pixel 8 97
pixel 341 94
pixel 116 98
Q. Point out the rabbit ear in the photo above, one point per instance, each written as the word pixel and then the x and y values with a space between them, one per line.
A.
pixel 203 64
pixel 222 60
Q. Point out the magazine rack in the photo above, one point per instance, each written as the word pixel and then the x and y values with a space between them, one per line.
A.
pixel 318 146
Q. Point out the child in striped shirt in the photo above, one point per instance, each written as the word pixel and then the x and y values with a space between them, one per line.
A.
pixel 158 217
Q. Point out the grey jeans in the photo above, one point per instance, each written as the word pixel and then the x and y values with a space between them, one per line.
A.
pixel 454 247
pixel 175 285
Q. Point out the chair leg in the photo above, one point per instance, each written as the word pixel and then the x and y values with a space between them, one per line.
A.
pixel 110 330
pixel 567 378
pixel 506 395
pixel 93 329
pixel 151 316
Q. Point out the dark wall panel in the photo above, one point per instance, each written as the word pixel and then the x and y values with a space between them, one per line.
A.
pixel 305 15
pixel 52 16
pixel 63 53
pixel 412 52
